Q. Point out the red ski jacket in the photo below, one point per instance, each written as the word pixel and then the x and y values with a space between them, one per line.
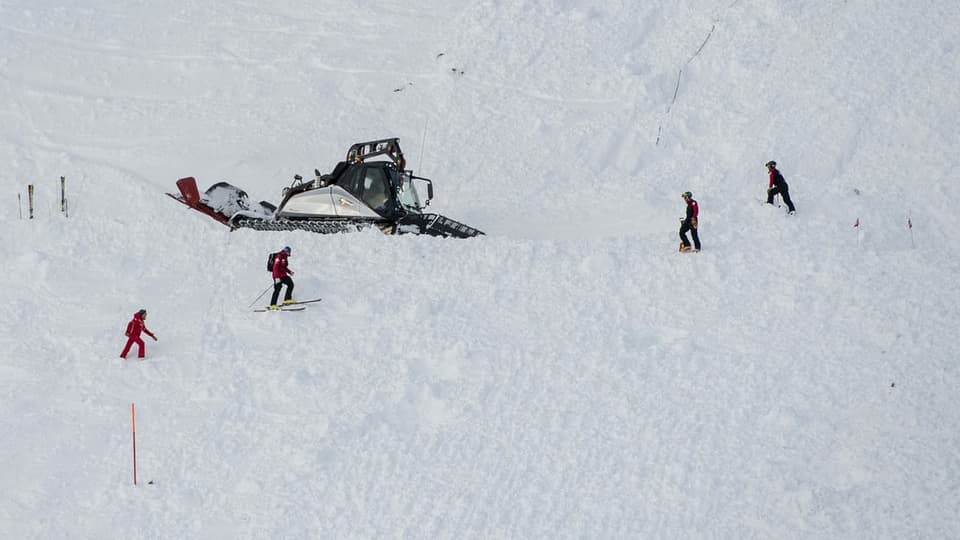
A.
pixel 135 326
pixel 280 265
pixel 693 209
pixel 776 179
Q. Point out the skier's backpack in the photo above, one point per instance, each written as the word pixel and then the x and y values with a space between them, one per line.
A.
pixel 270 260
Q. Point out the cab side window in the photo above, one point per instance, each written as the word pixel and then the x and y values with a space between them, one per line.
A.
pixel 375 189
pixel 352 181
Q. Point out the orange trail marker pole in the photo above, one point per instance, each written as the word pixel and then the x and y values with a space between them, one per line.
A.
pixel 133 429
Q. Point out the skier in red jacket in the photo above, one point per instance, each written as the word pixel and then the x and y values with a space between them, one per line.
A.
pixel 281 277
pixel 134 327
pixel 778 186
pixel 689 223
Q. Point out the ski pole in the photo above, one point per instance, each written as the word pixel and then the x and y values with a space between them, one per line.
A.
pixel 261 294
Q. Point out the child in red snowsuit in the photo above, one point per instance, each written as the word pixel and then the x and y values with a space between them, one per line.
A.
pixel 134 327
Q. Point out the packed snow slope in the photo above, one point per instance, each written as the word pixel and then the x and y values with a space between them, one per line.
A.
pixel 568 375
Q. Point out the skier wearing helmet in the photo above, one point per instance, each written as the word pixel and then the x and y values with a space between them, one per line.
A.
pixel 778 186
pixel 281 277
pixel 134 327
pixel 689 223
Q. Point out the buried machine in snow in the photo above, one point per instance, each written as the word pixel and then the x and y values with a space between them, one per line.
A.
pixel 360 192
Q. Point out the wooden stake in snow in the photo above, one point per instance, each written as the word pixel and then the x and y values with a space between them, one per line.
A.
pixel 63 195
pixel 133 430
pixel 30 199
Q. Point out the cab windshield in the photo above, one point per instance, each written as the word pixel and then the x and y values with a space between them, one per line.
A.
pixel 408 194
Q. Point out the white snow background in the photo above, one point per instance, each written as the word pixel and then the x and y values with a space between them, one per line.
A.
pixel 568 375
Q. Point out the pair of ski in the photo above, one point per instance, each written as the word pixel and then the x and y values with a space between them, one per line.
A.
pixel 295 306
pixel 776 204
pixel 761 201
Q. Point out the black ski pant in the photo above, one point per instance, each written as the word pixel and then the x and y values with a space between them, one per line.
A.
pixel 783 192
pixel 277 284
pixel 687 226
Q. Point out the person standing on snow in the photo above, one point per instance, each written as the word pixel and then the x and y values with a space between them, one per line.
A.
pixel 281 277
pixel 689 223
pixel 134 327
pixel 778 186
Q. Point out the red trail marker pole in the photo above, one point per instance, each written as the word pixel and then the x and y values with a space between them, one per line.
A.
pixel 133 430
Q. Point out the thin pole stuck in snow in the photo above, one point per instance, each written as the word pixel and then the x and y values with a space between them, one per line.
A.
pixel 133 430
pixel 910 226
pixel 422 141
pixel 30 199
pixel 63 195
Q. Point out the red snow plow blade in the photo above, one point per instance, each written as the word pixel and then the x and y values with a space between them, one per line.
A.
pixel 190 196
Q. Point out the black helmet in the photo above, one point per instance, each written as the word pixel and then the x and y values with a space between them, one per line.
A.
pixel 686 195
pixel 771 164
pixel 142 313
pixel 287 249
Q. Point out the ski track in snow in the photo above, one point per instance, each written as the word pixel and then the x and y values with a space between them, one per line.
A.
pixel 569 374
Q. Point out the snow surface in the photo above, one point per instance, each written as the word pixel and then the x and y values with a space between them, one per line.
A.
pixel 569 375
